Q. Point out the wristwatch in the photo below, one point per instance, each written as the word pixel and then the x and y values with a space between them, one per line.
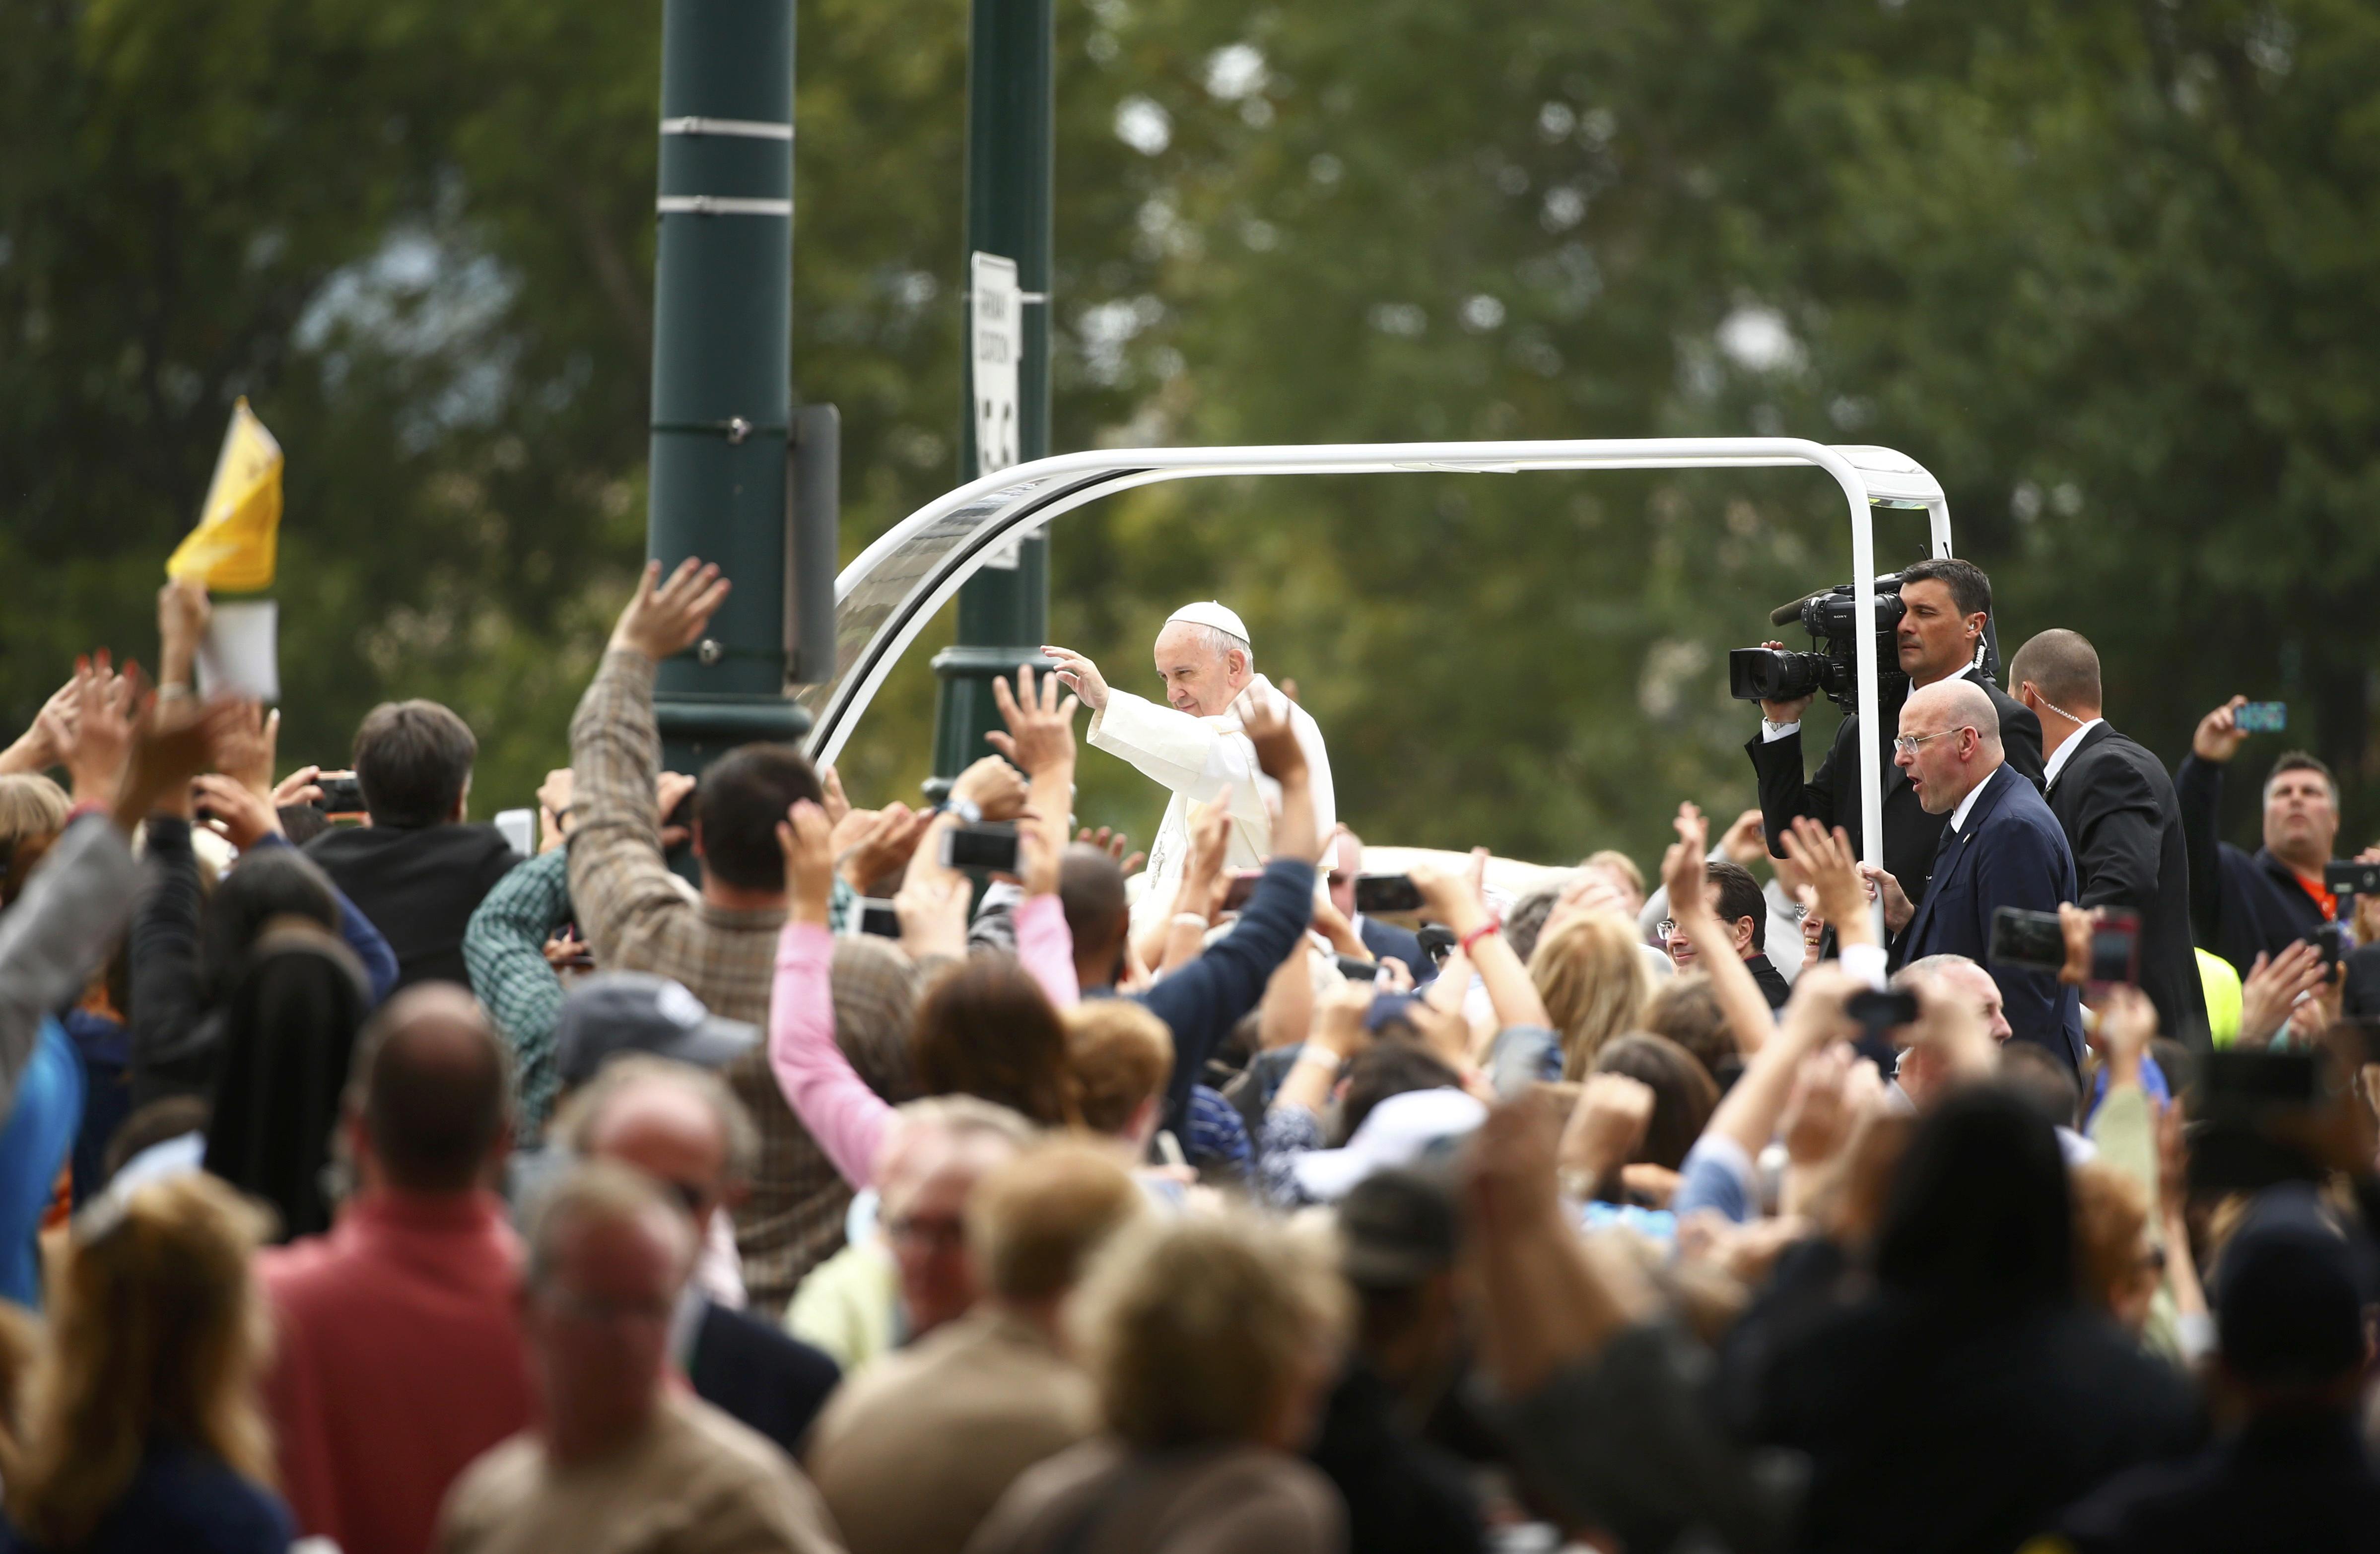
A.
pixel 969 812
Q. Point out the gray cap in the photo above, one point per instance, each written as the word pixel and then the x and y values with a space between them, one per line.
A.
pixel 615 1011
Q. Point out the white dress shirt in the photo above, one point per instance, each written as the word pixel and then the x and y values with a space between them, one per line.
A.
pixel 2057 761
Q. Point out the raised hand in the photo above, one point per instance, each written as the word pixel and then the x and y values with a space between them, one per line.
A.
pixel 1606 1126
pixel 1745 840
pixel 1266 722
pixel 1080 675
pixel 837 805
pixel 1117 845
pixel 102 743
pixel 1041 736
pixel 242 815
pixel 1832 868
pixel 870 844
pixel 1037 855
pixel 933 916
pixel 805 839
pixel 993 787
pixel 2219 735
pixel 1682 868
pixel 665 619
pixel 2271 987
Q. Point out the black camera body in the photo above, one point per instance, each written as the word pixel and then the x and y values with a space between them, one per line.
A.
pixel 1831 616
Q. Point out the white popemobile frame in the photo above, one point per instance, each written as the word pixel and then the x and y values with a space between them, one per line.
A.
pixel 885 598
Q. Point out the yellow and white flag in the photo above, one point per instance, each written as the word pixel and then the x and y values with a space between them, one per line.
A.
pixel 233 548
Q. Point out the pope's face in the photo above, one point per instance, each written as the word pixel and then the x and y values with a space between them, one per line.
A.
pixel 1197 679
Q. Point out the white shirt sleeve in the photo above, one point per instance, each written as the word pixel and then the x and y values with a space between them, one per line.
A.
pixel 1189 756
pixel 1771 733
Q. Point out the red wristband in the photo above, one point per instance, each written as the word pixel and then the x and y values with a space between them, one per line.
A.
pixel 1482 931
pixel 88 807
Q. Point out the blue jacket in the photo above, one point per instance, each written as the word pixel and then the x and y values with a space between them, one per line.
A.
pixel 2012 852
pixel 36 1140
pixel 1389 942
pixel 1202 1000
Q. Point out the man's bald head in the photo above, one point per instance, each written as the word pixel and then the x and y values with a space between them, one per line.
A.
pixel 1944 761
pixel 1950 704
pixel 2063 670
pixel 433 1087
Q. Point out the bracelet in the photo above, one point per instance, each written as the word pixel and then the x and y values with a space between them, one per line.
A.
pixel 1482 931
pixel 177 691
pixel 1313 1052
pixel 966 809
pixel 1197 917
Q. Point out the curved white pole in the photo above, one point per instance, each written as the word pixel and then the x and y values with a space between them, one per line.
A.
pixel 1128 468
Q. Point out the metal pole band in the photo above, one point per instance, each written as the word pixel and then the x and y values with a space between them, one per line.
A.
pixel 750 128
pixel 720 205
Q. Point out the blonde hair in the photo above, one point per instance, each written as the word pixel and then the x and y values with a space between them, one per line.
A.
pixel 1193 1329
pixel 2111 1209
pixel 32 811
pixel 1122 1055
pixel 1035 1221
pixel 1592 976
pixel 1619 863
pixel 155 1325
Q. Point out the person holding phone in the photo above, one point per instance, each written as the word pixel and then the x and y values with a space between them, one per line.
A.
pixel 2244 905
pixel 1197 745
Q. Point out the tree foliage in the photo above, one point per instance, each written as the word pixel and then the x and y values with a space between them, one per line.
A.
pixel 2110 271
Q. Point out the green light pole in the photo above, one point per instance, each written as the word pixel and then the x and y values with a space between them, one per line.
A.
pixel 1003 612
pixel 738 475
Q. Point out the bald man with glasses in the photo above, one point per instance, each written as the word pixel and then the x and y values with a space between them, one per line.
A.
pixel 2002 847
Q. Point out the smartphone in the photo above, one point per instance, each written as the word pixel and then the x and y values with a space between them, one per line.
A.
pixel 1378 894
pixel 342 793
pixel 876 916
pixel 991 845
pixel 1436 941
pixel 2350 878
pixel 2115 950
pixel 1879 1010
pixel 1358 970
pixel 2033 940
pixel 1242 886
pixel 518 827
pixel 2330 940
pixel 2262 717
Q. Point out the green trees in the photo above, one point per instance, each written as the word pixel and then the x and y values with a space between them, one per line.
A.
pixel 2108 270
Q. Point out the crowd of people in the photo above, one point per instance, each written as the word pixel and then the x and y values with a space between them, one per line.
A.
pixel 367 1186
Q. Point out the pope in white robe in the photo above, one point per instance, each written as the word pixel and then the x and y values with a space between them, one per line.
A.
pixel 1192 745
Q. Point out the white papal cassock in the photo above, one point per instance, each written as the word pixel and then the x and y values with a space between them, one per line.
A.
pixel 1197 758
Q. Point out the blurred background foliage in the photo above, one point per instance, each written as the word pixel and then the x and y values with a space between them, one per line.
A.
pixel 2111 271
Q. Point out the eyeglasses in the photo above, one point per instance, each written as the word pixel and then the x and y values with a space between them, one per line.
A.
pixel 1665 927
pixel 1907 744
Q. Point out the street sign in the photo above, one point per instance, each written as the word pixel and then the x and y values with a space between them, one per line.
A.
pixel 996 317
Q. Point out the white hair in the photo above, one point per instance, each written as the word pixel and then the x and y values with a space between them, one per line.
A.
pixel 1221 642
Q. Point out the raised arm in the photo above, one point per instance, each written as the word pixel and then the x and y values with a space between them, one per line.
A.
pixel 846 1117
pixel 1453 899
pixel 503 950
pixel 2198 790
pixel 628 906
pixel 1683 875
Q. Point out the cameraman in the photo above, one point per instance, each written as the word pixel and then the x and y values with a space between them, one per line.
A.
pixel 1945 604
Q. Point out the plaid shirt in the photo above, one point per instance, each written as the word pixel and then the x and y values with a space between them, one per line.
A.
pixel 505 950
pixel 637 919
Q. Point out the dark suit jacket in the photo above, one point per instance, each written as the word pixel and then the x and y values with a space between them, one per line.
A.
pixel 2241 906
pixel 1389 942
pixel 1832 797
pixel 2117 809
pixel 767 1380
pixel 2011 854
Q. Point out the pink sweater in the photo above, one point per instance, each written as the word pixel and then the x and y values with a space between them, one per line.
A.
pixel 834 1103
